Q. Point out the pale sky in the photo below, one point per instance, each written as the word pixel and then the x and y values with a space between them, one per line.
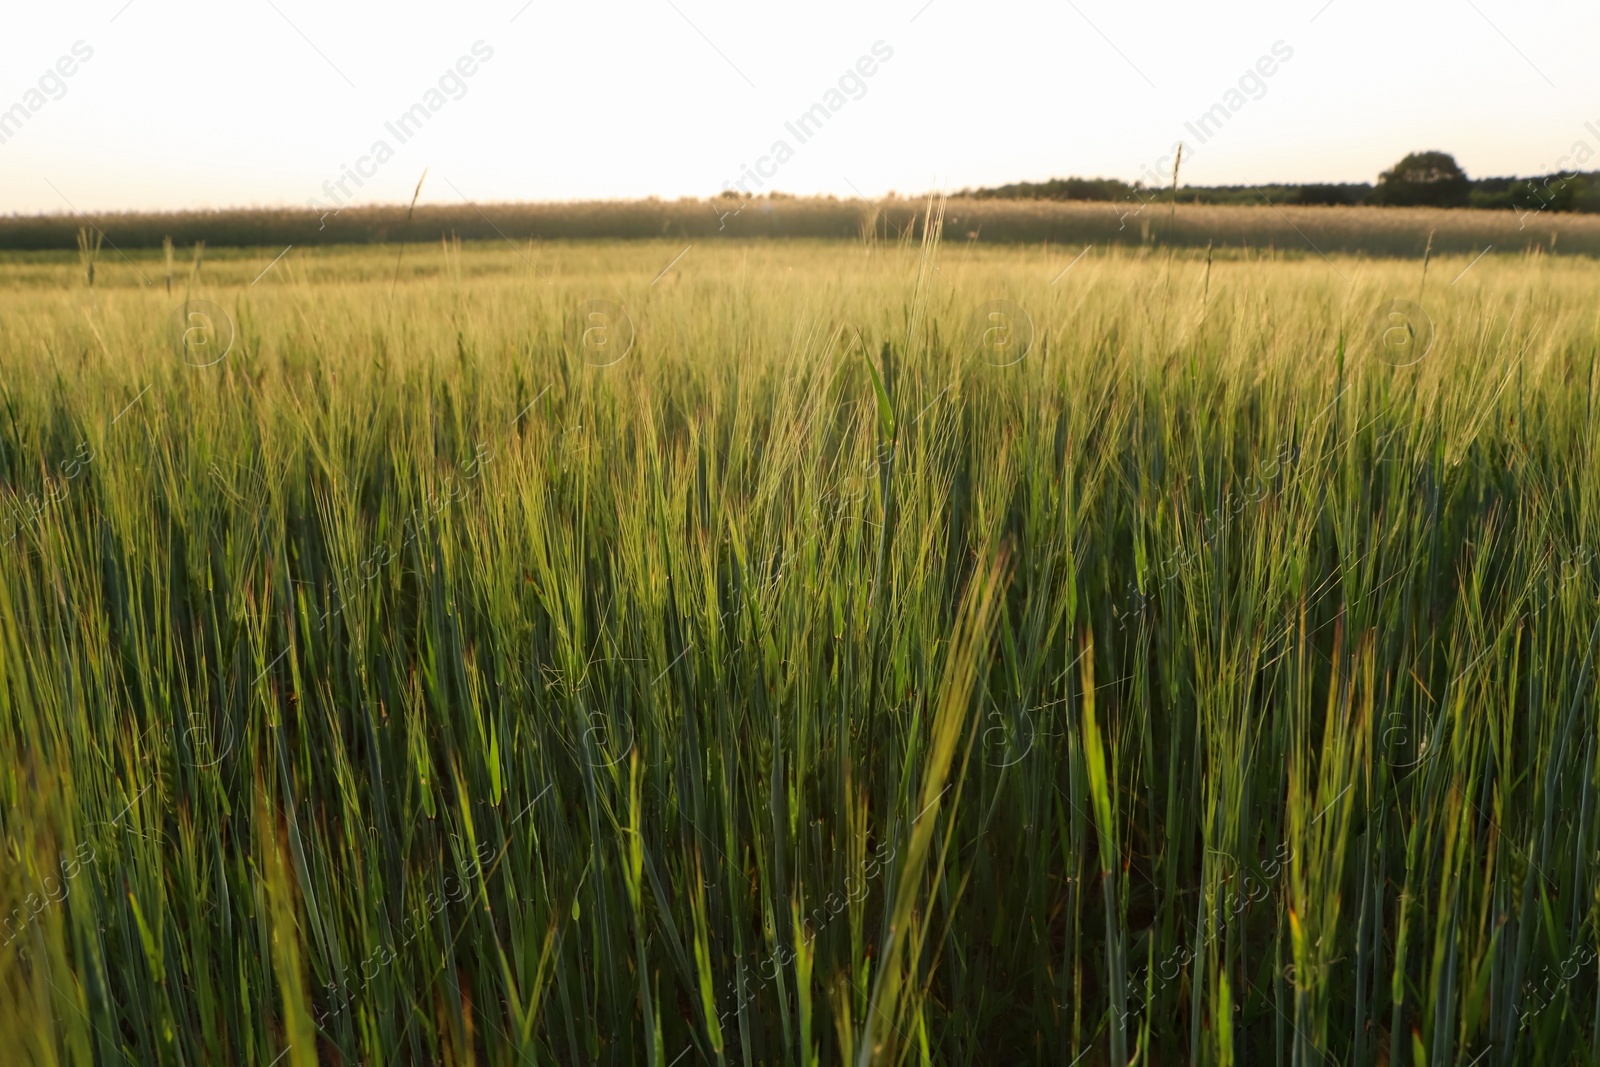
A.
pixel 183 104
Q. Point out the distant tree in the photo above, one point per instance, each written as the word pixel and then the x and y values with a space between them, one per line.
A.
pixel 1328 194
pixel 1056 189
pixel 1553 192
pixel 1574 191
pixel 1490 197
pixel 1587 198
pixel 1423 179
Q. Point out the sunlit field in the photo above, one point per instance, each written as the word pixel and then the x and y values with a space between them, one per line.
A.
pixel 886 651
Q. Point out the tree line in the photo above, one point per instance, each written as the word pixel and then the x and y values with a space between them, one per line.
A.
pixel 1421 179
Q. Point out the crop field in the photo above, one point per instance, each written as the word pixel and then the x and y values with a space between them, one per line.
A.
pixel 1138 220
pixel 874 651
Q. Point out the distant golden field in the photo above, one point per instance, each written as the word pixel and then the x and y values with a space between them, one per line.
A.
pixel 1402 232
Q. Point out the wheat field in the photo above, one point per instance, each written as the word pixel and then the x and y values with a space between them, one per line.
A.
pixel 1140 220
pixel 889 651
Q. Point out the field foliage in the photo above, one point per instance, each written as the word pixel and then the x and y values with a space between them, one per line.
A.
pixel 874 651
